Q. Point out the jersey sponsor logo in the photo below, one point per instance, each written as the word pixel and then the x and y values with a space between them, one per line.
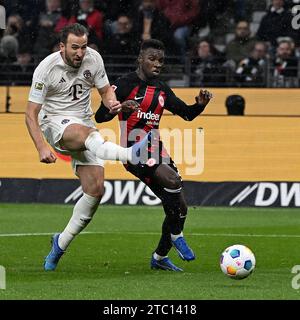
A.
pixel 65 121
pixel 87 74
pixel 75 90
pixel 148 115
pixel 161 100
pixel 38 86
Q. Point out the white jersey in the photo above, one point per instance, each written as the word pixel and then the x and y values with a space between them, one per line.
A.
pixel 64 90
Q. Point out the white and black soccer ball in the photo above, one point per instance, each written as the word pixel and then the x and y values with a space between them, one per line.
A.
pixel 237 261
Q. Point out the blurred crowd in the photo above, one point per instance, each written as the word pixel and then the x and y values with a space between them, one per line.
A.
pixel 220 42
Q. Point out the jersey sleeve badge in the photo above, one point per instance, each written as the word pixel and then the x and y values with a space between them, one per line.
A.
pixel 38 86
pixel 87 74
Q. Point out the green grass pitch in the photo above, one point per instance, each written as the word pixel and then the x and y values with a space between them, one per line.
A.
pixel 111 259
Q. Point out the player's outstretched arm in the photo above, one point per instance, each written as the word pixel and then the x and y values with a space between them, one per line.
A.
pixel 188 112
pixel 110 106
pixel 109 98
pixel 104 114
pixel 31 119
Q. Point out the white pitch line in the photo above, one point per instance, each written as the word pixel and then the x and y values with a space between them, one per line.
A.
pixel 156 233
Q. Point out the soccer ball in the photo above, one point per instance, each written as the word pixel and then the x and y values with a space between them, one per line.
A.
pixel 237 261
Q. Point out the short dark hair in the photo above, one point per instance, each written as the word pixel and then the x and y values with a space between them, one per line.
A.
pixel 76 28
pixel 153 44
pixel 235 105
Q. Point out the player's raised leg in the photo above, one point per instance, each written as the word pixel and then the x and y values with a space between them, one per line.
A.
pixel 78 137
pixel 91 178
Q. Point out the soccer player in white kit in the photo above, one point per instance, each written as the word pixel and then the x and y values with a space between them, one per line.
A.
pixel 59 109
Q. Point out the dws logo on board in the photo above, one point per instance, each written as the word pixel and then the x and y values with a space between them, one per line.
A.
pixel 267 193
pixel 122 192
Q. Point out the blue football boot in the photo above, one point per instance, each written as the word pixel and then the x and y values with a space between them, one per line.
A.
pixel 184 251
pixel 164 264
pixel 55 254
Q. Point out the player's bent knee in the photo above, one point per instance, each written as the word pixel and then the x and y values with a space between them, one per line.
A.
pixel 74 137
pixel 174 182
pixel 84 133
pixel 96 190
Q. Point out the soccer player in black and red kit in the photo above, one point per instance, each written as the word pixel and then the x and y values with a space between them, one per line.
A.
pixel 160 173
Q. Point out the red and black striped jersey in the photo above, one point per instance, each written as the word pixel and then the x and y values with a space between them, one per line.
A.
pixel 153 97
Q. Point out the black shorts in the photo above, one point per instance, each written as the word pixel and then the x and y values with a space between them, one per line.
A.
pixel 146 174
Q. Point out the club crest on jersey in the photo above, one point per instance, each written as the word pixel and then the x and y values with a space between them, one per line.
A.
pixel 87 74
pixel 161 100
pixel 65 121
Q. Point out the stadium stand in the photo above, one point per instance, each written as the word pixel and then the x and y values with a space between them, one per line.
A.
pixel 179 71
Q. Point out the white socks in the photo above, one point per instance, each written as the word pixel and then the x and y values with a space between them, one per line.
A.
pixel 83 212
pixel 106 150
pixel 176 236
pixel 158 257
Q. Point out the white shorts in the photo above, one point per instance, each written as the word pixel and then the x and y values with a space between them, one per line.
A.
pixel 53 128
